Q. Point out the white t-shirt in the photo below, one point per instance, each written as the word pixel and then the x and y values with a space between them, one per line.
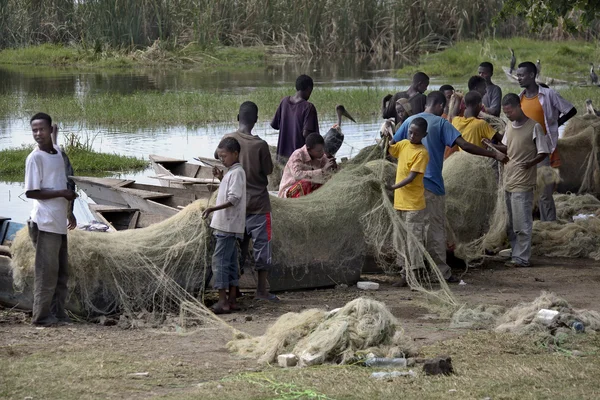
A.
pixel 232 189
pixel 47 171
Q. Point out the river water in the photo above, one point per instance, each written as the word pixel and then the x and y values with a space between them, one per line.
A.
pixel 180 141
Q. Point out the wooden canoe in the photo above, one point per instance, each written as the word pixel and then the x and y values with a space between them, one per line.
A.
pixel 148 199
pixel 173 172
pixel 120 219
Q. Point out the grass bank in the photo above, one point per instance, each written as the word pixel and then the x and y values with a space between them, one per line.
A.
pixel 157 55
pixel 568 60
pixel 12 161
pixel 487 365
pixel 147 109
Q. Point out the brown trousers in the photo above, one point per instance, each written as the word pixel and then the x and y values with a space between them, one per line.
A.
pixel 50 275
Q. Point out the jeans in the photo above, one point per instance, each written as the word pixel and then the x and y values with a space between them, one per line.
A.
pixel 225 261
pixel 520 225
pixel 546 201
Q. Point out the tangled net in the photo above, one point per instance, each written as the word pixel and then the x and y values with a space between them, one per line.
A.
pixel 163 268
pixel 521 319
pixel 342 336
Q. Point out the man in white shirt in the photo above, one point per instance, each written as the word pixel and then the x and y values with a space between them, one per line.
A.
pixel 46 184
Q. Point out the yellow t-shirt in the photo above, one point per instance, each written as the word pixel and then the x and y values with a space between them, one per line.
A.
pixel 411 157
pixel 533 109
pixel 473 129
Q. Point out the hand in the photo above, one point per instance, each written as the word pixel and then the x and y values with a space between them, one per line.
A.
pixel 72 221
pixel 329 164
pixel 218 173
pixel 69 194
pixel 503 158
pixel 207 212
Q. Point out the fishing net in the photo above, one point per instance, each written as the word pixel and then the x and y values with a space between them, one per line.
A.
pixel 342 336
pixel 161 267
pixel 521 319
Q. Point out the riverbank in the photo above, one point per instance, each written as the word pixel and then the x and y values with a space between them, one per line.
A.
pixel 12 161
pixel 147 109
pixel 151 108
pixel 566 60
pixel 157 55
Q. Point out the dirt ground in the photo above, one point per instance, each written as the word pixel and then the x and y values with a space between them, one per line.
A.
pixel 86 360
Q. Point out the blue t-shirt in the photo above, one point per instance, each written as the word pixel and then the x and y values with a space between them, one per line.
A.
pixel 440 133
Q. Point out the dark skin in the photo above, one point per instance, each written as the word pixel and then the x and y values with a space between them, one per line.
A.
pixel 415 136
pixel 527 81
pixel 225 303
pixel 438 109
pixel 518 117
pixel 72 221
pixel 473 111
pixel 302 95
pixel 486 74
pixel 42 134
pixel 317 153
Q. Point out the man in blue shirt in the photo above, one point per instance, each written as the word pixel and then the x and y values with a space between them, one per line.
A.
pixel 440 133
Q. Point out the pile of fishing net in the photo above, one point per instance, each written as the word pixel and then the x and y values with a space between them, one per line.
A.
pixel 477 215
pixel 164 267
pixel 341 336
pixel 522 319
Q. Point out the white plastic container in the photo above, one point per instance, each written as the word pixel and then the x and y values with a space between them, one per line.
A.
pixel 546 316
pixel 366 285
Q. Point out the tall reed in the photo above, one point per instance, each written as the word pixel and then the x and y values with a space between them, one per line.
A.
pixel 383 27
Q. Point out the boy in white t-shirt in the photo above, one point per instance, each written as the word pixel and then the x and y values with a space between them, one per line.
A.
pixel 229 224
pixel 46 184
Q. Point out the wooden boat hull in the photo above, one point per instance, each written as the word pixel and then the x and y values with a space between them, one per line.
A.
pixel 150 199
pixel 173 172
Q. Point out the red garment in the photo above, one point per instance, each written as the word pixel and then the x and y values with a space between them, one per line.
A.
pixel 302 188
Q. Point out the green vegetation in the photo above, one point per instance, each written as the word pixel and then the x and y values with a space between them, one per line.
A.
pixel 302 26
pixel 567 60
pixel 487 365
pixel 12 161
pixel 570 14
pixel 157 55
pixel 146 109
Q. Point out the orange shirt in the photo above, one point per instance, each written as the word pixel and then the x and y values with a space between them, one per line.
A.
pixel 533 109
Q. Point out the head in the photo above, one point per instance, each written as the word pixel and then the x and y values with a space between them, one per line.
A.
pixel 486 71
pixel 41 127
pixel 478 84
pixel 315 144
pixel 511 106
pixel 473 101
pixel 420 82
pixel 448 91
pixel 403 108
pixel 304 86
pixel 248 114
pixel 229 151
pixel 417 130
pixel 436 101
pixel 526 73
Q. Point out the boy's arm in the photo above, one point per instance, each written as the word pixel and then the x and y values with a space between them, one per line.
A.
pixel 266 161
pixel 209 210
pixel 276 118
pixel 311 122
pixel 47 194
pixel 478 151
pixel 411 177
pixel 538 159
pixel 501 147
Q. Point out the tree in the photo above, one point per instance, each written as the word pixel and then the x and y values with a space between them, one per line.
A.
pixel 573 14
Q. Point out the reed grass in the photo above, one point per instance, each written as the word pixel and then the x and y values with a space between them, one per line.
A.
pixel 302 26
pixel 568 59
pixel 147 109
pixel 156 55
pixel 12 161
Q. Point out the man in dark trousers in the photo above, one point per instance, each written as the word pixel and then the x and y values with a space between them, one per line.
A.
pixel 547 108
pixel 257 163
pixel 295 119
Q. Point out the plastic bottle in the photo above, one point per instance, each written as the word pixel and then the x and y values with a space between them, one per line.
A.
pixel 385 362
pixel 577 326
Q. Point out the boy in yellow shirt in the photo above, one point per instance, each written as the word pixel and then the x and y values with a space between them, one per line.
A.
pixel 409 191
pixel 473 129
